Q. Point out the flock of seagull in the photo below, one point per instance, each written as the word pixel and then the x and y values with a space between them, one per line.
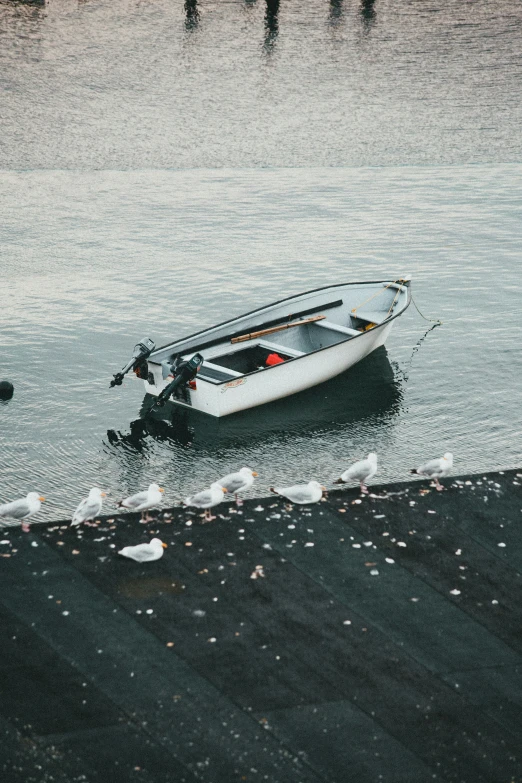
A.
pixel 233 483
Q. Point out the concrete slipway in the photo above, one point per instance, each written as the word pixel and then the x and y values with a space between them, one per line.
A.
pixel 382 643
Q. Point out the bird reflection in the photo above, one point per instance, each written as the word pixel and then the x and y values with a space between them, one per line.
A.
pixel 367 12
pixel 271 24
pixel 191 14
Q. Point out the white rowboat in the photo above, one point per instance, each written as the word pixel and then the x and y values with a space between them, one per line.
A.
pixel 318 334
pixel 314 336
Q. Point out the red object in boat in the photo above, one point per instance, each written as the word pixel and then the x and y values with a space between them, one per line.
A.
pixel 273 358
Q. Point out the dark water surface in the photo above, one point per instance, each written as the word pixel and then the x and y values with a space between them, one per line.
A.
pixel 166 166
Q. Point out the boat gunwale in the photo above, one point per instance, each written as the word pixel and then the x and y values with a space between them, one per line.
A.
pixel 386 321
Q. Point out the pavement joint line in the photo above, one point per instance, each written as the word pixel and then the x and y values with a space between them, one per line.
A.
pixel 383 629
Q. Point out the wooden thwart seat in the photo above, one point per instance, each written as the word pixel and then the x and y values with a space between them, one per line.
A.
pixel 278 348
pixel 337 328
pixel 371 316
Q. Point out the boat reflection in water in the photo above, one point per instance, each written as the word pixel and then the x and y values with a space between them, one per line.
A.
pixel 371 389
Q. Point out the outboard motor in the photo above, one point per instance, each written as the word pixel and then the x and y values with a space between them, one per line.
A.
pixel 138 363
pixel 183 373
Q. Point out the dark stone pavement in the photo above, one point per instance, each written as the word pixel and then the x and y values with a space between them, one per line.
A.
pixel 383 643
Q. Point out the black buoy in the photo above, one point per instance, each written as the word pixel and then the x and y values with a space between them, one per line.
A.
pixel 6 390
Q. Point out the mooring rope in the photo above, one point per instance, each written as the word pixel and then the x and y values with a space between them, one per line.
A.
pixel 431 320
pixel 381 290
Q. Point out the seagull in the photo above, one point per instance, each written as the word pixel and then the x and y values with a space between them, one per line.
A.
pixel 238 482
pixel 301 493
pixel 144 553
pixel 142 501
pixel 89 508
pixel 436 468
pixel 22 509
pixel 361 471
pixel 207 499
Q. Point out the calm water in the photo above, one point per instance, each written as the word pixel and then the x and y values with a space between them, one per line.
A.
pixel 166 166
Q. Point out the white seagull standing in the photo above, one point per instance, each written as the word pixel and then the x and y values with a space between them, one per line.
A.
pixel 89 508
pixel 301 493
pixel 207 499
pixel 436 468
pixel 142 501
pixel 238 482
pixel 361 471
pixel 22 509
pixel 144 553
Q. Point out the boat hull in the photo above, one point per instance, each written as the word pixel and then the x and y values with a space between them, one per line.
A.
pixel 282 380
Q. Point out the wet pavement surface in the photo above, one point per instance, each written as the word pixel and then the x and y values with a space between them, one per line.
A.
pixel 365 638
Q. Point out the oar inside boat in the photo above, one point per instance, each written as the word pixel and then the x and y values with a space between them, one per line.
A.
pixel 280 328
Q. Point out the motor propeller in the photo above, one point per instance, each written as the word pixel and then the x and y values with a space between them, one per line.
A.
pixel 141 352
